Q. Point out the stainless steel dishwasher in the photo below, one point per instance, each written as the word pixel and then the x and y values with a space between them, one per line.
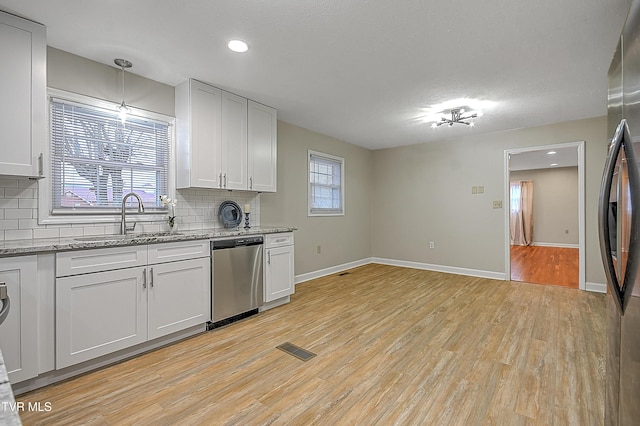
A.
pixel 236 279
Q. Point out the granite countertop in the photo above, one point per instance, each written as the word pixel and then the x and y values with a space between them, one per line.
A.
pixel 42 245
pixel 8 411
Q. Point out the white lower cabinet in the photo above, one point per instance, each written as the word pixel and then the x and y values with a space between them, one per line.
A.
pixel 102 312
pixel 99 313
pixel 19 332
pixel 177 299
pixel 278 268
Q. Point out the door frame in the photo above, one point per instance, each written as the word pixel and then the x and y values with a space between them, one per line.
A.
pixel 579 145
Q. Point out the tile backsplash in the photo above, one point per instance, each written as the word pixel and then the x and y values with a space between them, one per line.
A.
pixel 196 209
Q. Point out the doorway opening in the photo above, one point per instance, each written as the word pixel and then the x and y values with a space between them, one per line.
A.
pixel 547 247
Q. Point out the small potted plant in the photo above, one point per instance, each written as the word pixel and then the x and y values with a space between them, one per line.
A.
pixel 171 204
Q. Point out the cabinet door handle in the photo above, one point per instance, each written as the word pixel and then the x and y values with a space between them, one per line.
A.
pixel 151 281
pixel 269 258
pixel 251 182
pixel 6 302
pixel 144 278
pixel 225 180
pixel 220 180
pixel 41 164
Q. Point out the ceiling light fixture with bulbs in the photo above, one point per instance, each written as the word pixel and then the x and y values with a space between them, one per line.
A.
pixel 455 111
pixel 458 117
pixel 123 109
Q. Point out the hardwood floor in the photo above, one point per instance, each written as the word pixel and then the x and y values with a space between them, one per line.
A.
pixel 545 265
pixel 394 346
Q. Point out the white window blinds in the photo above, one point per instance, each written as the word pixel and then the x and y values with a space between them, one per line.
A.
pixel 326 186
pixel 96 159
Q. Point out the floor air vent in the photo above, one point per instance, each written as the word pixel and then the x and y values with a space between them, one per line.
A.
pixel 342 274
pixel 296 351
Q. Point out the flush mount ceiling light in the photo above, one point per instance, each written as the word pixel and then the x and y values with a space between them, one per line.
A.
pixel 238 46
pixel 453 111
pixel 551 153
pixel 123 109
pixel 458 117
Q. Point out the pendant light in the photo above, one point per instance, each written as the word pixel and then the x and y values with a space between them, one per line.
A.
pixel 123 109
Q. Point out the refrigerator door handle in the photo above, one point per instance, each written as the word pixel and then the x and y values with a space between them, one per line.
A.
pixel 621 293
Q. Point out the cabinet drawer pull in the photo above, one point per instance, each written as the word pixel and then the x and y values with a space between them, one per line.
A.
pixel 144 278
pixel 151 281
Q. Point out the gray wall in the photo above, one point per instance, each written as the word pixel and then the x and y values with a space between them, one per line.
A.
pixel 422 193
pixel 76 74
pixel 555 204
pixel 343 238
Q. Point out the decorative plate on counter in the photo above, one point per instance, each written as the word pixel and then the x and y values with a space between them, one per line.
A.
pixel 230 214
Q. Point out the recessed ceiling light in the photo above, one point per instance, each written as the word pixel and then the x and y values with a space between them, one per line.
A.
pixel 238 46
pixel 551 152
pixel 554 164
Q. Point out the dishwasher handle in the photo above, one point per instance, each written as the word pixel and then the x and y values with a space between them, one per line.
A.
pixel 237 242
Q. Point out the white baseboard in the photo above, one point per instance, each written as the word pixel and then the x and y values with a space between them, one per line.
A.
pixel 403 263
pixel 560 245
pixel 331 270
pixel 441 268
pixel 596 287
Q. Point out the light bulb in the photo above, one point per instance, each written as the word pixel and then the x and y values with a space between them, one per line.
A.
pixel 238 46
pixel 123 111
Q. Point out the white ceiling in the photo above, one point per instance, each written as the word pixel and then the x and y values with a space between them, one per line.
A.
pixel 361 71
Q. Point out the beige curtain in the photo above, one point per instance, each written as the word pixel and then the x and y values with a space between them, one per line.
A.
pixel 521 219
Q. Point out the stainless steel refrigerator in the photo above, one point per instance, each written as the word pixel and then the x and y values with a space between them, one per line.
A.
pixel 619 227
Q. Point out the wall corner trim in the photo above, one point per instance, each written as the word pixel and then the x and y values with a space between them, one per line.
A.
pixel 596 287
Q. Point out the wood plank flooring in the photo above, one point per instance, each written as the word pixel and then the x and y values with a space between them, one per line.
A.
pixel 545 265
pixel 394 346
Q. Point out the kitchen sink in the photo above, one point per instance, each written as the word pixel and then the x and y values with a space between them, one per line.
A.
pixel 118 237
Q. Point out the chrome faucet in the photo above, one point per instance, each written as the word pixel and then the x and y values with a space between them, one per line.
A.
pixel 123 220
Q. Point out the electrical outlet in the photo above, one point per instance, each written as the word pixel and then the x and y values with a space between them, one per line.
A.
pixel 319 249
pixel 497 204
pixel 432 244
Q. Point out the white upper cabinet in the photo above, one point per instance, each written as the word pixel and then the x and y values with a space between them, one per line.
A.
pixel 263 142
pixel 234 141
pixel 224 140
pixel 23 109
pixel 199 136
